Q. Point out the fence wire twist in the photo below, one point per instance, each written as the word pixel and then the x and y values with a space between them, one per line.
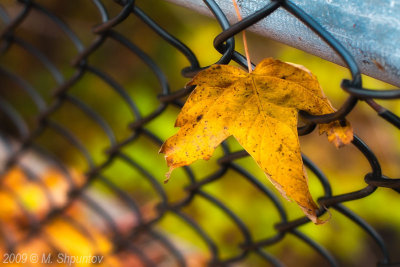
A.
pixel 224 43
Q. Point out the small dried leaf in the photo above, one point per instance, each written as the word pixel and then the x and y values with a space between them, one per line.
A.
pixel 338 134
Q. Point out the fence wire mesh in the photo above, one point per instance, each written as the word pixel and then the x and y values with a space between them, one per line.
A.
pixel 118 207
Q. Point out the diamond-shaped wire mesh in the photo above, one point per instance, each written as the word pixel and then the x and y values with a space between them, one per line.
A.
pixel 81 125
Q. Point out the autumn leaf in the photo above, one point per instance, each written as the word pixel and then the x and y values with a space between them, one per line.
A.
pixel 260 109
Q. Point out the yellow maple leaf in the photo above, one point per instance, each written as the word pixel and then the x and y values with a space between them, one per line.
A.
pixel 260 109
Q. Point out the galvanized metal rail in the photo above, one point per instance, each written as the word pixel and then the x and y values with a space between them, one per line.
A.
pixel 369 30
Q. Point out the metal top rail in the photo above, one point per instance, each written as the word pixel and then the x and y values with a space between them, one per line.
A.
pixel 369 30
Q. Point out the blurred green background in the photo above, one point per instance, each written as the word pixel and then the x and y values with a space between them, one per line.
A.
pixel 345 168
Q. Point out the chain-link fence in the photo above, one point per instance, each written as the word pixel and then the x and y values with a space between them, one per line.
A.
pixel 55 115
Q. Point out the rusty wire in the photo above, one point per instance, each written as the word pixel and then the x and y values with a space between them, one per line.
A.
pixel 225 44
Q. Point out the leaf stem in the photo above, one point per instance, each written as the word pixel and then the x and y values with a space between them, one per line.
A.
pixel 246 48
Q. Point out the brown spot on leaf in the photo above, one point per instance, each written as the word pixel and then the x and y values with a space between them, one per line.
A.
pixel 280 148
